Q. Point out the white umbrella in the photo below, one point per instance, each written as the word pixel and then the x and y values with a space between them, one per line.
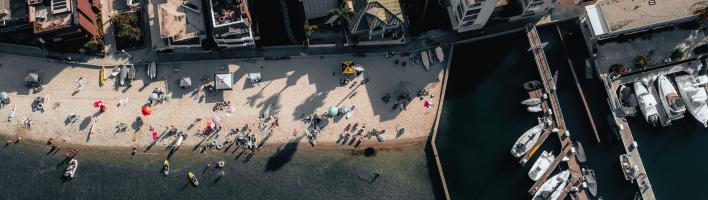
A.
pixel 185 82
pixel 223 81
pixel 32 77
pixel 3 95
pixel 333 111
pixel 153 96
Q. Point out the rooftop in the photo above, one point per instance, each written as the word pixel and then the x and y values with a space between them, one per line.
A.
pixel 180 20
pixel 10 9
pixel 50 16
pixel 627 14
pixel 226 12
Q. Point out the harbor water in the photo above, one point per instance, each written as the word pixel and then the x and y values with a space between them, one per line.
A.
pixel 289 172
pixel 482 117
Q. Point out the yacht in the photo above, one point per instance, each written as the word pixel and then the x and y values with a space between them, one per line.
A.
pixel 527 140
pixel 590 180
pixel 647 103
pixel 71 169
pixel 628 169
pixel 694 96
pixel 671 102
pixel 553 187
pixel 439 55
pixel 541 165
pixel 628 100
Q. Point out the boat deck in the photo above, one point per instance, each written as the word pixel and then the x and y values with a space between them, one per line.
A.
pixel 558 122
pixel 544 105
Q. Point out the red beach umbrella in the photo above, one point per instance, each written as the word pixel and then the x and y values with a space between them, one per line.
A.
pixel 97 103
pixel 147 110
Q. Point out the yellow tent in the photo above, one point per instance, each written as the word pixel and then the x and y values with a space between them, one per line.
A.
pixel 348 67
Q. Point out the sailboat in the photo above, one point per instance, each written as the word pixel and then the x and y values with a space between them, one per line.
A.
pixel 694 97
pixel 552 188
pixel 647 103
pixel 527 140
pixel 541 165
pixel 426 60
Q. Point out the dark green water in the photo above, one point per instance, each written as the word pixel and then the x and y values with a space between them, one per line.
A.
pixel 482 117
pixel 295 172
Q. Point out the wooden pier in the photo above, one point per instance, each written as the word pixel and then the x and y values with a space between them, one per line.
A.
pixel 642 180
pixel 558 120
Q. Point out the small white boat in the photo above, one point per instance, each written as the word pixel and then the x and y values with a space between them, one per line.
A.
pixel 628 100
pixel 152 70
pixel 552 188
pixel 123 75
pixel 527 140
pixel 671 102
pixel 627 168
pixel 647 103
pixel 179 141
pixel 439 54
pixel 589 176
pixel 425 58
pixel 71 169
pixel 350 113
pixel 541 165
pixel 531 101
pixel 535 108
pixel 694 97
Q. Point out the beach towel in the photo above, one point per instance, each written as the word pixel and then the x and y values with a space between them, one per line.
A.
pixel 154 135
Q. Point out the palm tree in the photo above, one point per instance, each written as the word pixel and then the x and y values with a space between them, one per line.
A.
pixel 642 62
pixel 343 13
pixel 309 28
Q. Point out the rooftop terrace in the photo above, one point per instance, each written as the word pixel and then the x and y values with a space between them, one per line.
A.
pixel 180 21
pixel 50 16
pixel 627 14
pixel 226 12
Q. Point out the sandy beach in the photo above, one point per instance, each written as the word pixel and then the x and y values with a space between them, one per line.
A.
pixel 290 89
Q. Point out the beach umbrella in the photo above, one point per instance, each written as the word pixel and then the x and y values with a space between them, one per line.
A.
pixel 147 110
pixel 98 103
pixel 216 120
pixel 153 96
pixel 3 95
pixel 185 82
pixel 333 111
pixel 32 77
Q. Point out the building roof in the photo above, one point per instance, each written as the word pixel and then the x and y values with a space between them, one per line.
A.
pixel 318 8
pixel 628 14
pixel 178 22
pixel 51 17
pixel 597 19
pixel 13 9
pixel 374 14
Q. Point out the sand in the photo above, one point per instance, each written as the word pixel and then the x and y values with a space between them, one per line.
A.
pixel 289 89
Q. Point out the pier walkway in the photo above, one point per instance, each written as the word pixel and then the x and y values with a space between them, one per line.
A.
pixel 642 179
pixel 559 122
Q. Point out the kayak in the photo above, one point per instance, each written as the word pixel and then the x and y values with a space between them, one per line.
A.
pixel 103 74
pixel 166 168
pixel 192 178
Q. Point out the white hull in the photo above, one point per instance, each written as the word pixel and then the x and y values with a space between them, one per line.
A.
pixel 71 169
pixel 647 103
pixel 439 54
pixel 526 141
pixel 425 58
pixel 694 97
pixel 541 165
pixel 551 189
pixel 531 101
pixel 670 100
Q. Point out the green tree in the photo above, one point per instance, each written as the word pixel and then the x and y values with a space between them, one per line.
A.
pixel 642 61
pixel 678 54
pixel 127 29
pixel 343 13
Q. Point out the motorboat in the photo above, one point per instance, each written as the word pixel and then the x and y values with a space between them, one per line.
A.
pixel 541 165
pixel 152 70
pixel 531 101
pixel 166 167
pixel 580 155
pixel 425 58
pixel 694 97
pixel 647 103
pixel 628 100
pixel 628 169
pixel 439 54
pixel 671 102
pixel 590 180
pixel 192 178
pixel 553 187
pixel 71 169
pixel 527 140
pixel 534 108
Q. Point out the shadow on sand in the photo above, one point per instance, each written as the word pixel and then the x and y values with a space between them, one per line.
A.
pixel 284 154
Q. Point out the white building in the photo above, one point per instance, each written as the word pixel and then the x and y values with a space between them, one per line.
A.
pixel 467 15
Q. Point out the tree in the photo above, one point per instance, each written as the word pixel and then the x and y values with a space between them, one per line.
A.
pixel 309 28
pixel 343 13
pixel 618 69
pixel 678 54
pixel 642 61
pixel 127 29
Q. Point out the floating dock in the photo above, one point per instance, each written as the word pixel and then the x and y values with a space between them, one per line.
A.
pixel 558 120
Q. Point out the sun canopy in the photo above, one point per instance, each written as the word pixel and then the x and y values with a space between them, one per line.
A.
pixel 32 77
pixel 154 96
pixel 254 76
pixel 333 111
pixel 147 110
pixel 3 95
pixel 185 82
pixel 223 81
pixel 348 67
